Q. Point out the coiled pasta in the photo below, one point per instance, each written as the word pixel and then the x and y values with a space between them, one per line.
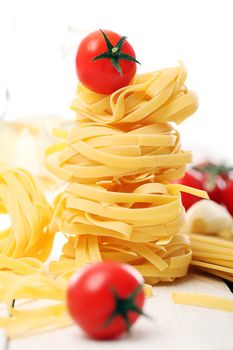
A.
pixel 157 97
pixel 27 242
pixel 118 160
pixel 141 228
pixel 92 152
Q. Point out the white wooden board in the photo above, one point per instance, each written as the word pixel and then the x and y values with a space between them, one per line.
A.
pixel 175 327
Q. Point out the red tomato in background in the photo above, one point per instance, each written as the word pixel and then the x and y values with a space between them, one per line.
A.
pixel 193 179
pixel 214 189
pixel 227 195
pixel 100 75
pixel 214 179
pixel 100 299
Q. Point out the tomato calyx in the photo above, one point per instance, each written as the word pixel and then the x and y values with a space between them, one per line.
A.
pixel 213 172
pixel 213 169
pixel 114 53
pixel 124 305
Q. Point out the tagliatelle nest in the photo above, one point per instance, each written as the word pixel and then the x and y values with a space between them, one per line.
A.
pixel 27 242
pixel 118 159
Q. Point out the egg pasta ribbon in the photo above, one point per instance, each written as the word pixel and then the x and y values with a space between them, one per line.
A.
pixel 141 228
pixel 28 317
pixel 158 97
pixel 203 300
pixel 27 241
pixel 90 153
pixel 213 255
pixel 154 260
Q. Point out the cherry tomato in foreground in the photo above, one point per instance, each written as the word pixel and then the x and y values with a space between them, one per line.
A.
pixel 227 195
pixel 105 299
pixel 105 62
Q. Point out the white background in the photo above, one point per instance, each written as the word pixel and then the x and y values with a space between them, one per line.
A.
pixel 38 40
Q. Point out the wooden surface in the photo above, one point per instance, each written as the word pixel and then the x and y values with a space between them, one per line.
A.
pixel 174 327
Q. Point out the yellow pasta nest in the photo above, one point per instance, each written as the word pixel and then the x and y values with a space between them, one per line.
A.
pixel 141 228
pixel 157 97
pixel 126 134
pixel 27 242
pixel 91 153
pixel 118 160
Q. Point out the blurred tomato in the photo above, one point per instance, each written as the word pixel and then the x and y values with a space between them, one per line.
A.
pixel 105 299
pixel 193 179
pixel 213 186
pixel 212 178
pixel 227 195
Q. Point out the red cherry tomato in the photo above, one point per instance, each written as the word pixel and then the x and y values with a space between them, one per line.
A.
pixel 193 179
pixel 105 299
pixel 227 195
pixel 107 74
pixel 213 187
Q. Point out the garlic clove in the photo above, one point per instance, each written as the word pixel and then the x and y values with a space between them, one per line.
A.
pixel 208 217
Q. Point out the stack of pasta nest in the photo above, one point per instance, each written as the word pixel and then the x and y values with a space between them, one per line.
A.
pixel 119 160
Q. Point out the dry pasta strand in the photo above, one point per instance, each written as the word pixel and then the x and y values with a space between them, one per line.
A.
pixel 208 301
pixel 213 255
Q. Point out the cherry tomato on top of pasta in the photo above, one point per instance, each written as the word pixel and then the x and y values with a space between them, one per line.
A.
pixel 105 299
pixel 105 61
